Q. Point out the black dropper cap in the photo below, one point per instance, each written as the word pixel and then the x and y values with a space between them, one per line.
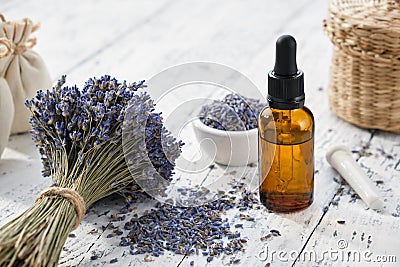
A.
pixel 286 82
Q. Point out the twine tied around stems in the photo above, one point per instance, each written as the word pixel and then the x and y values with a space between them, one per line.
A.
pixel 71 195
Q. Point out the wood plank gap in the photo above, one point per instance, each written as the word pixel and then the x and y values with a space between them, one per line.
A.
pixel 315 228
pixel 397 164
pixel 93 243
pixel 179 264
pixel 373 132
pixel 205 178
pixel 329 205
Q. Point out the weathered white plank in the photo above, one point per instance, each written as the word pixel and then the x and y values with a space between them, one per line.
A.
pixel 321 198
pixel 143 38
pixel 109 54
pixel 73 32
pixel 20 178
pixel 367 234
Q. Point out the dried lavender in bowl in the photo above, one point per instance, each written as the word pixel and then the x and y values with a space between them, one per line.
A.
pixel 233 113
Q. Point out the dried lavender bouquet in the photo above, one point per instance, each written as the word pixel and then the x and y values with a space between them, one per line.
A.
pixel 79 136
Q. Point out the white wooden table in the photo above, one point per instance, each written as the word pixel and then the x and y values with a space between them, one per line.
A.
pixel 134 40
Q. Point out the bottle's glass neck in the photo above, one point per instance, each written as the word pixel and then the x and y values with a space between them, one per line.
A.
pixel 285 104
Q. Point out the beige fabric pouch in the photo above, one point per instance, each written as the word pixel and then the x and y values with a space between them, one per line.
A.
pixel 6 101
pixel 23 68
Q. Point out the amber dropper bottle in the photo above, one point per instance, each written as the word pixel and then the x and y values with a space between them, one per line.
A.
pixel 286 136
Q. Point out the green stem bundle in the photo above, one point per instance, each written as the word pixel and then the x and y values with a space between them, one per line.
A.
pixel 36 237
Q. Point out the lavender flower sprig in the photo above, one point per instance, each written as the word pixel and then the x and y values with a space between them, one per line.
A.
pixel 80 136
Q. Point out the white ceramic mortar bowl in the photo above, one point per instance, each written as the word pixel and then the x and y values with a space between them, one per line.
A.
pixel 232 148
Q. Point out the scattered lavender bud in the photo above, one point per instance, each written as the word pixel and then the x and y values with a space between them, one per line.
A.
pixel 275 232
pixel 236 261
pixel 147 258
pixel 94 257
pixel 369 241
pixel 187 230
pixel 93 231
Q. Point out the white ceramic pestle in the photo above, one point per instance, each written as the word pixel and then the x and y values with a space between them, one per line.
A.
pixel 342 160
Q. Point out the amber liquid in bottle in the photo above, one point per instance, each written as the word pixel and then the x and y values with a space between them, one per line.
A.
pixel 286 159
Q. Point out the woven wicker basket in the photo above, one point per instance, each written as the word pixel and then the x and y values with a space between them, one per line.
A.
pixel 364 86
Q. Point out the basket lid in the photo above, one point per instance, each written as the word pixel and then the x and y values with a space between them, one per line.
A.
pixel 369 27
pixel 373 13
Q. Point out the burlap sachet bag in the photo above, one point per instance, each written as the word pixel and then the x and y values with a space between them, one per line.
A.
pixel 23 68
pixel 6 101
